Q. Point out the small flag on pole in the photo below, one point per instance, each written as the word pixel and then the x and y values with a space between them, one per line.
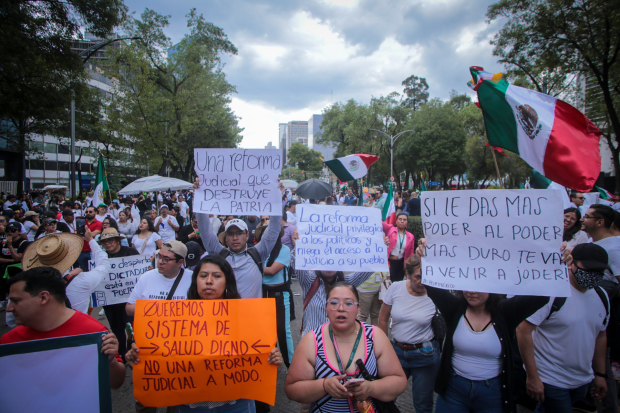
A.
pixel 101 183
pixel 351 167
pixel 389 209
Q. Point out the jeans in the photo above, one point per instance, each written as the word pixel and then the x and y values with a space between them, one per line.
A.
pixel 241 406
pixel 422 367
pixel 83 260
pixel 464 395
pixel 561 400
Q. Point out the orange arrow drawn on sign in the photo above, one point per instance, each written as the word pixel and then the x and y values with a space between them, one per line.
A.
pixel 256 345
pixel 149 348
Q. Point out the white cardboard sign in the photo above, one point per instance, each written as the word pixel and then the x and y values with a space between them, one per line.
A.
pixel 339 238
pixel 238 181
pixel 124 274
pixel 495 241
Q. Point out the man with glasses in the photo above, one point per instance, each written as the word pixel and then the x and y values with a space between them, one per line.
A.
pixel 577 199
pixel 95 226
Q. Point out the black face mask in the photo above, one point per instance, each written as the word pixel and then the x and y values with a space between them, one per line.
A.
pixel 588 279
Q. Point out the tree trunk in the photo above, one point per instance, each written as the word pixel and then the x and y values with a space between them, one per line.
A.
pixel 21 152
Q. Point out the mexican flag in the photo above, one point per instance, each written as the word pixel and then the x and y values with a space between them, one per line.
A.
pixel 539 181
pixel 605 194
pixel 422 185
pixel 550 135
pixel 343 185
pixel 389 209
pixel 351 167
pixel 102 183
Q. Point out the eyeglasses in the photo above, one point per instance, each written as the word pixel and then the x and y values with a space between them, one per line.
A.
pixel 586 216
pixel 164 260
pixel 11 230
pixel 233 234
pixel 348 305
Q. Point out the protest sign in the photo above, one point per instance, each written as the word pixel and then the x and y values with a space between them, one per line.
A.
pixel 204 350
pixel 495 241
pixel 238 181
pixel 66 374
pixel 336 238
pixel 124 274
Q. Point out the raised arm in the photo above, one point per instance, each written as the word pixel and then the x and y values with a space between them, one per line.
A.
pixel 209 239
pixel 102 266
pixel 269 238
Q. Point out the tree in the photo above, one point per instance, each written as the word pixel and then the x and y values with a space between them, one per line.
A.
pixel 173 98
pixel 39 73
pixel 416 90
pixel 306 159
pixel 292 173
pixel 557 38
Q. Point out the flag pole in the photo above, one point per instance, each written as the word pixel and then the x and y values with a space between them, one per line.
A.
pixel 497 168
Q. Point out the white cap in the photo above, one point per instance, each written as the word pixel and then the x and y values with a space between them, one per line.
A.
pixel 236 223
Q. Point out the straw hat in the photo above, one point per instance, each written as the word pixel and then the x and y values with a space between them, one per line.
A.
pixel 59 251
pixel 109 233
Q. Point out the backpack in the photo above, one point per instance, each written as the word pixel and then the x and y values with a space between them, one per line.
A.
pixel 252 252
pixel 558 303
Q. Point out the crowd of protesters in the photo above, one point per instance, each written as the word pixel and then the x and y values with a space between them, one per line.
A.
pixel 478 352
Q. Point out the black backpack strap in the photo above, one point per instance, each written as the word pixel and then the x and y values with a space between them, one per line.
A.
pixel 224 253
pixel 558 302
pixel 253 252
pixel 605 299
pixel 175 285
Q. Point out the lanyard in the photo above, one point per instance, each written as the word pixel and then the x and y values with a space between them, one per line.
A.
pixel 357 341
pixel 402 240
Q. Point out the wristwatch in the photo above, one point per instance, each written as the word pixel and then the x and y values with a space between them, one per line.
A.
pixel 596 373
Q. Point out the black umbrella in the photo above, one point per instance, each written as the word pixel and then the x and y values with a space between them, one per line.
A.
pixel 314 189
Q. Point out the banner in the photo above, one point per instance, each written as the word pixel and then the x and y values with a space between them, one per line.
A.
pixel 495 241
pixel 204 350
pixel 124 274
pixel 66 374
pixel 238 181
pixel 339 238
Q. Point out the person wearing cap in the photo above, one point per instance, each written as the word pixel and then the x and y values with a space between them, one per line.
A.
pixel 65 206
pixel 31 224
pixel 102 212
pixel 194 252
pixel 49 227
pixel 249 276
pixel 110 240
pixel 77 209
pixel 183 209
pixel 166 225
pixel 291 209
pixel 169 281
pixel 68 219
pixel 563 349
pixel 61 251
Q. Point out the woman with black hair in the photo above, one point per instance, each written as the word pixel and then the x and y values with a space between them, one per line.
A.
pixel 573 234
pixel 146 240
pixel 277 284
pixel 109 222
pixel 213 279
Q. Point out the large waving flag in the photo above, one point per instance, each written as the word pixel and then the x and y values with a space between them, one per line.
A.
pixel 389 209
pixel 351 167
pixel 550 135
pixel 101 183
pixel 539 181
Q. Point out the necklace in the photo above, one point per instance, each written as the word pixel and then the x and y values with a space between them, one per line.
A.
pixel 347 342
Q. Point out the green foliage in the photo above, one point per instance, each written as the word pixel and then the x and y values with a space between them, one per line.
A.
pixel 305 158
pixel 292 173
pixel 170 99
pixel 416 90
pixel 552 41
pixel 414 225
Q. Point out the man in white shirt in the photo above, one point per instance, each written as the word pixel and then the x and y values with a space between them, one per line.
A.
pixel 563 349
pixel 102 212
pixel 291 218
pixel 10 200
pixel 166 225
pixel 159 284
pixel 183 208
pixel 596 222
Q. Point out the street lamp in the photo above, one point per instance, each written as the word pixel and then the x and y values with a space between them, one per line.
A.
pixel 393 139
pixel 86 54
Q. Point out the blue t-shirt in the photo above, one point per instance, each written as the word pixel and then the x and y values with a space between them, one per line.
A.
pixel 284 258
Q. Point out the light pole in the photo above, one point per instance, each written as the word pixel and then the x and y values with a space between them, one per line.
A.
pixel 393 139
pixel 85 54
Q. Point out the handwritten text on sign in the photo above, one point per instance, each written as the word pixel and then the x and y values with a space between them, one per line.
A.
pixel 496 241
pixel 204 350
pixel 335 238
pixel 117 286
pixel 238 181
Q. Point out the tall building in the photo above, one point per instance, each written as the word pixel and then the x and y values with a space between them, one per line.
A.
pixel 270 146
pixel 314 132
pixel 296 131
pixel 282 141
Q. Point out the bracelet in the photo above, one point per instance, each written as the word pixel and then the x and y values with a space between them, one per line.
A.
pixel 596 373
pixel 324 384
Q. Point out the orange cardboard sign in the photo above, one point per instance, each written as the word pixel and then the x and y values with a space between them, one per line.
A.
pixel 204 350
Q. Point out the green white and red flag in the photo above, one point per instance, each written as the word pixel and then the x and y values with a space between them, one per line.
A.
pixel 389 209
pixel 605 194
pixel 550 135
pixel 351 167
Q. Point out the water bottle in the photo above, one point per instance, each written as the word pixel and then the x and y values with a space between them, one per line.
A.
pixel 427 346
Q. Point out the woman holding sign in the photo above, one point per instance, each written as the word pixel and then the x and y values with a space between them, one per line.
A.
pixel 401 246
pixel 213 279
pixel 326 366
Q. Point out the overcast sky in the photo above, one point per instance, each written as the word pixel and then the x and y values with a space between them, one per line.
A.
pixel 297 57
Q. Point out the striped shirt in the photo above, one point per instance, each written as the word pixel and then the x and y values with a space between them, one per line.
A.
pixel 315 315
pixel 323 368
